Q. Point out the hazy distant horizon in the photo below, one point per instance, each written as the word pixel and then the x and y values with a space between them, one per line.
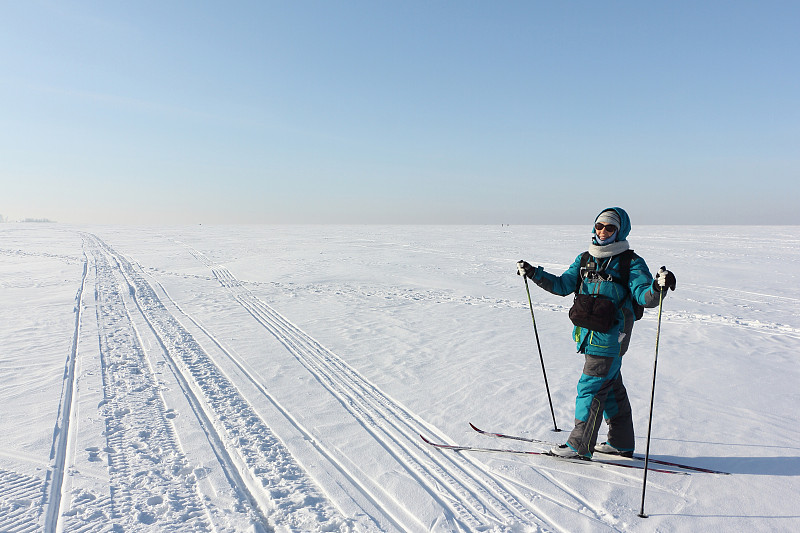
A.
pixel 345 224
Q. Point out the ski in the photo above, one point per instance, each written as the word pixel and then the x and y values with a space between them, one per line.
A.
pixel 599 462
pixel 513 437
pixel 639 457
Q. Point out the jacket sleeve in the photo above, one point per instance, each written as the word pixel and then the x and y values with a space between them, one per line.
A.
pixel 641 284
pixel 560 285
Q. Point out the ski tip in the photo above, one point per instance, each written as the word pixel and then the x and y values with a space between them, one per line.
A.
pixel 424 439
pixel 473 426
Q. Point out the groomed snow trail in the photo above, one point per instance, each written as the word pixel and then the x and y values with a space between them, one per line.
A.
pixel 150 484
pixel 259 468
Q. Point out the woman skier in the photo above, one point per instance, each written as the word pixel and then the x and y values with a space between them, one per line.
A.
pixel 612 285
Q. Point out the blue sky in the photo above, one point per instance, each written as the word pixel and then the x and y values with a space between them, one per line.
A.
pixel 400 112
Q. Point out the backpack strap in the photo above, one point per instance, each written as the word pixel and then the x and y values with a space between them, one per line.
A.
pixel 625 275
pixel 625 259
pixel 585 258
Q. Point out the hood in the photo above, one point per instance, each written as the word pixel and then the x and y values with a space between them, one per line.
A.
pixel 625 223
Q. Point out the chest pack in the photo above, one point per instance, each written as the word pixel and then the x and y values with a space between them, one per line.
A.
pixel 596 312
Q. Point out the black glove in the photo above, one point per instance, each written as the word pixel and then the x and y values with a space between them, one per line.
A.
pixel 664 280
pixel 525 269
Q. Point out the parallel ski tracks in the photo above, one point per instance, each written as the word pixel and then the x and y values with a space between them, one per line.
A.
pixel 151 483
pixel 308 436
pixel 257 464
pixel 476 497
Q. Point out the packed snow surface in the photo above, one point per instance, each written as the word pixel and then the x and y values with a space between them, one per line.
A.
pixel 278 378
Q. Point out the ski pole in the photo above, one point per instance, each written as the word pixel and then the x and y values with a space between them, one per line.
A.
pixel 652 397
pixel 541 358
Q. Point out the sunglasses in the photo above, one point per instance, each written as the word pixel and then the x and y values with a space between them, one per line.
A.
pixel 611 228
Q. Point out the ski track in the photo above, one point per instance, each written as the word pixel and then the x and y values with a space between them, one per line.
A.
pixel 65 417
pixel 260 468
pixel 152 487
pixel 367 492
pixel 476 497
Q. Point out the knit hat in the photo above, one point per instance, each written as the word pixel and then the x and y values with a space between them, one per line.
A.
pixel 609 217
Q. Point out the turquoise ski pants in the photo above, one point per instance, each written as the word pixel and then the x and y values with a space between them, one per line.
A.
pixel 602 393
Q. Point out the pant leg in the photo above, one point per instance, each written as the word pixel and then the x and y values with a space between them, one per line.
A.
pixel 597 380
pixel 619 417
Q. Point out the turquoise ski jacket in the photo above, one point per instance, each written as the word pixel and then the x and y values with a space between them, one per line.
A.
pixel 640 287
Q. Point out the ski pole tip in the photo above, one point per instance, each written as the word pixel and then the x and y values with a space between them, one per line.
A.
pixel 642 515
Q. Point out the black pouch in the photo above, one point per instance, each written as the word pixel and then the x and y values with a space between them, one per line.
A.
pixel 594 312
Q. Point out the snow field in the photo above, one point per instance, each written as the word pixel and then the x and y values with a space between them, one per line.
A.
pixel 277 378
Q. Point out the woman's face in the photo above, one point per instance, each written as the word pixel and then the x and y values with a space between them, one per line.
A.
pixel 604 231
